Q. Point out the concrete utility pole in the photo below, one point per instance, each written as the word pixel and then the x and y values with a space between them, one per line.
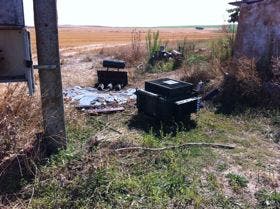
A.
pixel 46 26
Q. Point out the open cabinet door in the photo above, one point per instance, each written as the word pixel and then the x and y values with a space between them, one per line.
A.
pixel 15 50
pixel 15 57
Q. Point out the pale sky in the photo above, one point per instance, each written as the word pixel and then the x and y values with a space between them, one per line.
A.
pixel 137 13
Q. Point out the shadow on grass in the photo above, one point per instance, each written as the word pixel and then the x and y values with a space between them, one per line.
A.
pixel 231 109
pixel 21 168
pixel 160 128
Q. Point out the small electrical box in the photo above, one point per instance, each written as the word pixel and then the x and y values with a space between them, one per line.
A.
pixel 15 48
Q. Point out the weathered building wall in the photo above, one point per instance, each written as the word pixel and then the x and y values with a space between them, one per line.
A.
pixel 11 13
pixel 258 34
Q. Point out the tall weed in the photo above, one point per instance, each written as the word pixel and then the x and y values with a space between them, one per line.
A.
pixel 20 118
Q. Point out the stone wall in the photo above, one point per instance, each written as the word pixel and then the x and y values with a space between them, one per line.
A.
pixel 258 34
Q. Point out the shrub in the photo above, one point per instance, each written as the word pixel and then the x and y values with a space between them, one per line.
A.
pixel 161 66
pixel 236 181
pixel 197 73
pixel 194 58
pixel 152 42
pixel 137 51
pixel 186 47
pixel 156 61
pixel 241 86
pixel 125 53
pixel 133 54
pixel 222 49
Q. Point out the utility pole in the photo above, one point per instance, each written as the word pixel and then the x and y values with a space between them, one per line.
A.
pixel 46 26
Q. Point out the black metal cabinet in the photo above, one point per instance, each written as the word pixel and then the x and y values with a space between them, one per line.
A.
pixel 168 99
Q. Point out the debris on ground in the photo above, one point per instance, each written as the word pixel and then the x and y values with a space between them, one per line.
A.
pixel 105 110
pixel 163 55
pixel 99 102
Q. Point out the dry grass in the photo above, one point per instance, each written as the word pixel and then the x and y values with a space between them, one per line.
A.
pixel 241 86
pixel 133 54
pixel 20 118
pixel 201 64
pixel 239 80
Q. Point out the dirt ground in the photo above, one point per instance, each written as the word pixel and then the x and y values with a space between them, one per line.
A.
pixel 79 47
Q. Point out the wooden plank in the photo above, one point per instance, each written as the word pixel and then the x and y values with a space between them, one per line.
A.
pixel 105 110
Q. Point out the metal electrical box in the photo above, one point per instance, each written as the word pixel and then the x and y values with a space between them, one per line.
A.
pixel 15 57
pixel 168 99
pixel 113 77
pixel 15 48
pixel 11 13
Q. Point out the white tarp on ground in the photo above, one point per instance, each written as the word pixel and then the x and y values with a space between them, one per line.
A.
pixel 89 96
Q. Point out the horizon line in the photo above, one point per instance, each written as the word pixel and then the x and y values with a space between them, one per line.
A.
pixel 166 26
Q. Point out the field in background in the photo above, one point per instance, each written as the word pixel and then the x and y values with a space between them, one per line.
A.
pixel 82 36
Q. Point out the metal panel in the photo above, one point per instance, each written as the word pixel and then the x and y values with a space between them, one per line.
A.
pixel 11 13
pixel 114 77
pixel 15 57
pixel 169 88
pixel 153 100
pixel 118 64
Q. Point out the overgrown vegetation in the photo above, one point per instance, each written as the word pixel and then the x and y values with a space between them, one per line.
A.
pixel 239 81
pixel 133 54
pixel 18 125
pixel 90 173
pixel 153 42
pixel 268 199
pixel 159 58
pixel 241 86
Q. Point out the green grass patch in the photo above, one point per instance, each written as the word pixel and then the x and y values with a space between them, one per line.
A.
pixel 161 66
pixel 169 179
pixel 236 181
pixel 268 199
pixel 194 59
